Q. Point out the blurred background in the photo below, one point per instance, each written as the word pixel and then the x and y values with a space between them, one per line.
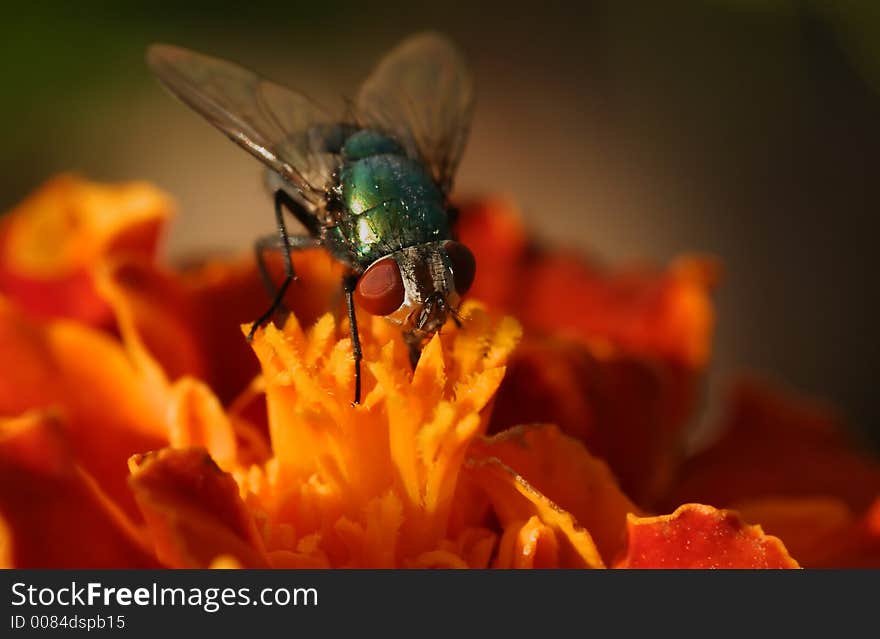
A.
pixel 749 129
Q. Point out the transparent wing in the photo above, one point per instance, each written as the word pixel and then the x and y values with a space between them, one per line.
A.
pixel 422 94
pixel 281 127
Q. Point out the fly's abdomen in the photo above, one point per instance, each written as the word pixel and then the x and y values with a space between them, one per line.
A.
pixel 390 203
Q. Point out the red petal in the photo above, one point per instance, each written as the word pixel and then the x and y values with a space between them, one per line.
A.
pixel 819 532
pixel 190 322
pixel 55 515
pixel 775 446
pixel 645 335
pixel 494 232
pixel 628 411
pixel 193 510
pixel 111 410
pixel 226 295
pixel 662 314
pixel 697 536
pixel 666 315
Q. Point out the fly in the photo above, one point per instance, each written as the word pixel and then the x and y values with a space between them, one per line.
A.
pixel 371 188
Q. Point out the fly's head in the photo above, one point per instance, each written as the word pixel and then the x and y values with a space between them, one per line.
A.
pixel 418 288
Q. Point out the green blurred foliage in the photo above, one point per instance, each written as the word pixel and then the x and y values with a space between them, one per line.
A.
pixel 65 61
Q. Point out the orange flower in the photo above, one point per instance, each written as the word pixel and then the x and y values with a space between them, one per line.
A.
pixel 138 427
pixel 614 357
pixel 51 243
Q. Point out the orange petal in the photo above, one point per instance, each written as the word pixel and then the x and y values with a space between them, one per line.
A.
pixel 410 435
pixel 438 559
pixel 248 415
pixel 562 470
pixel 226 562
pixel 627 410
pixel 197 420
pixel 154 316
pixel 528 544
pixel 476 545
pixel 515 501
pixel 111 410
pixel 774 445
pixel 373 543
pixel 190 321
pixel 53 513
pixel 51 242
pixel 193 510
pixel 697 536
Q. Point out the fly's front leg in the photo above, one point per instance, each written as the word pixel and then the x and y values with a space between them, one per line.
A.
pixel 285 243
pixel 414 346
pixel 272 243
pixel 348 284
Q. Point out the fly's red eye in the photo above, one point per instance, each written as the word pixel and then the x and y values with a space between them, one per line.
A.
pixel 464 267
pixel 380 290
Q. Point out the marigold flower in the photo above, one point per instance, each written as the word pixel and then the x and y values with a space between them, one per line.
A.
pixel 614 357
pixel 51 242
pixel 139 428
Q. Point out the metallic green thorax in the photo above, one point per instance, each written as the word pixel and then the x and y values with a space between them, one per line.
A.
pixel 389 200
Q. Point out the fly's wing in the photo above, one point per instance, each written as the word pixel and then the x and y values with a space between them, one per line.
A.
pixel 282 128
pixel 422 94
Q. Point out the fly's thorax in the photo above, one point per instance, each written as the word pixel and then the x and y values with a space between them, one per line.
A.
pixel 389 202
pixel 366 142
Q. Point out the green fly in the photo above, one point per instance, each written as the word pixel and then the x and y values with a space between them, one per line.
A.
pixel 371 187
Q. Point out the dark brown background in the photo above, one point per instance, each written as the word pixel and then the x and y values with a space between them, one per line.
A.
pixel 745 128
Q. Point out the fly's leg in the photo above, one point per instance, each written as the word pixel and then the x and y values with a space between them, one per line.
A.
pixel 283 242
pixel 415 354
pixel 348 284
pixel 272 243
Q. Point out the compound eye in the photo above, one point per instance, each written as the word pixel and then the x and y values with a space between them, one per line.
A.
pixel 464 266
pixel 380 290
